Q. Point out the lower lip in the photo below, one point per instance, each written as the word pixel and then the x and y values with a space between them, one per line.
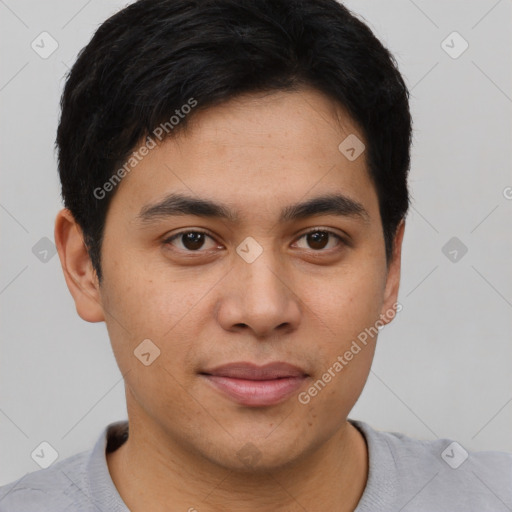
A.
pixel 256 392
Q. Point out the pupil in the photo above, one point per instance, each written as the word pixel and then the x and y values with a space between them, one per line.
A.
pixel 193 240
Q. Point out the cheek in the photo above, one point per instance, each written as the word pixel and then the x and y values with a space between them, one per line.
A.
pixel 147 308
pixel 345 313
pixel 347 301
pixel 151 302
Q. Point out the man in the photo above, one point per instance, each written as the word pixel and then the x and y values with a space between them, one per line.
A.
pixel 235 181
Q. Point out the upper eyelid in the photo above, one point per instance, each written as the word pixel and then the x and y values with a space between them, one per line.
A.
pixel 319 228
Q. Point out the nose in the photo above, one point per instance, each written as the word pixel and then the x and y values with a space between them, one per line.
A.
pixel 259 297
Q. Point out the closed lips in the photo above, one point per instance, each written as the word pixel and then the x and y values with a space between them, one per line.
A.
pixel 250 371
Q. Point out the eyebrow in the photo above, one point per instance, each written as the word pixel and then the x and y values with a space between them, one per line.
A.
pixel 177 204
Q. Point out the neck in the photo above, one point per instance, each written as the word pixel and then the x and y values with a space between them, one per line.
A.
pixel 150 472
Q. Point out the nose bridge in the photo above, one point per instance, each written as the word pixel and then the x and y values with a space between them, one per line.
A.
pixel 259 277
pixel 258 296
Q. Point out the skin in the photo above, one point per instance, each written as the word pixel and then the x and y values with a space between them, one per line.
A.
pixel 294 303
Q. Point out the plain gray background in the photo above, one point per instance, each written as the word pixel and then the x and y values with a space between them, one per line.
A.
pixel 443 366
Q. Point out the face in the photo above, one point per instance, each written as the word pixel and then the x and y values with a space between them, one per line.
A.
pixel 265 283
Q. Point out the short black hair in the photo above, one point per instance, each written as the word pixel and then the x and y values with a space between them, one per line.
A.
pixel 149 60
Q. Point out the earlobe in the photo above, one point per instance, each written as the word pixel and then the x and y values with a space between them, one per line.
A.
pixel 389 308
pixel 79 274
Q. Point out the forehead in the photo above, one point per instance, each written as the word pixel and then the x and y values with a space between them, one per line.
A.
pixel 304 122
pixel 255 152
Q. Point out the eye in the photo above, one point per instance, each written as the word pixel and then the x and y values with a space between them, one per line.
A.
pixel 190 241
pixel 194 240
pixel 318 239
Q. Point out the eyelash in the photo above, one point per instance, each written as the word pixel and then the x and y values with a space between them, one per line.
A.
pixel 342 241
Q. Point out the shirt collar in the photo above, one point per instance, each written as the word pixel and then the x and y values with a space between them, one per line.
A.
pixel 101 487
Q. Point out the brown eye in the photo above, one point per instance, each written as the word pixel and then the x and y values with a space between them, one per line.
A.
pixel 318 239
pixel 191 241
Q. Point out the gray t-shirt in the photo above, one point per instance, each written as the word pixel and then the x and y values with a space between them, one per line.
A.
pixel 405 475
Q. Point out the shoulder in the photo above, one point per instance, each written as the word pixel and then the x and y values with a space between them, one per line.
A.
pixel 56 489
pixel 440 473
pixel 78 483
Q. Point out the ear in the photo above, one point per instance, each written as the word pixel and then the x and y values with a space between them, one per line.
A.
pixel 76 264
pixel 393 277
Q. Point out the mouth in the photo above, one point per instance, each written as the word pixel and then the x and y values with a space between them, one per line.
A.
pixel 256 386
